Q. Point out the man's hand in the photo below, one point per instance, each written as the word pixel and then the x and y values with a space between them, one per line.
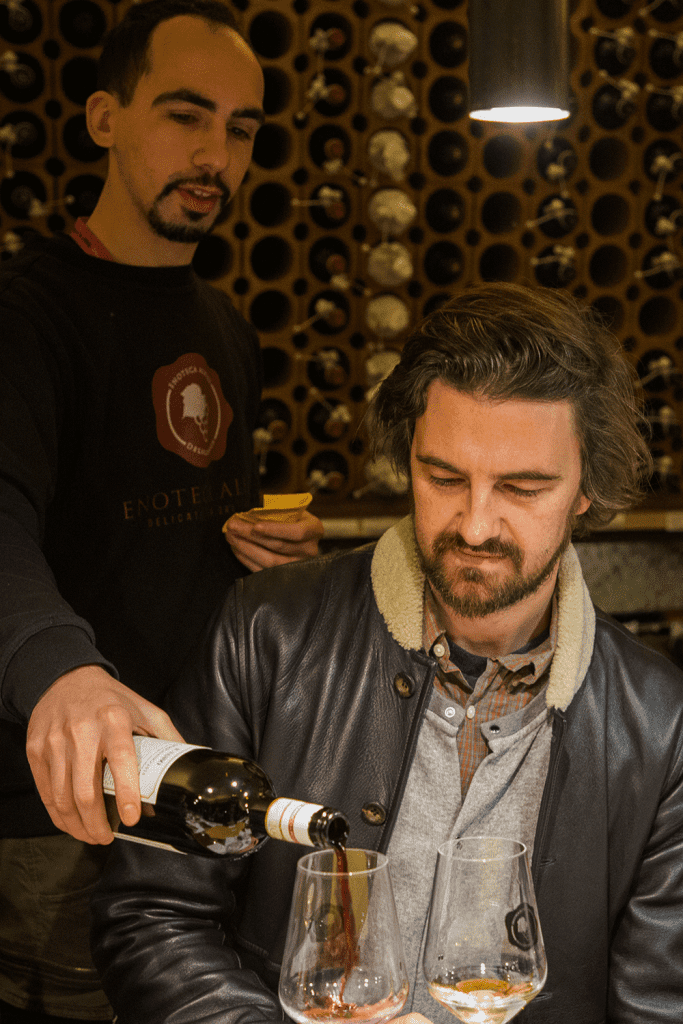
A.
pixel 85 717
pixel 260 545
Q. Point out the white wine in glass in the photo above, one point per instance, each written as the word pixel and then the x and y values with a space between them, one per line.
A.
pixel 343 957
pixel 484 957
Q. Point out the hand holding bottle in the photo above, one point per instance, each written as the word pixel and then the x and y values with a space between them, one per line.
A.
pixel 85 717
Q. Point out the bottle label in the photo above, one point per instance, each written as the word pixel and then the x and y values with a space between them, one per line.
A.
pixel 149 842
pixel 155 757
pixel 289 820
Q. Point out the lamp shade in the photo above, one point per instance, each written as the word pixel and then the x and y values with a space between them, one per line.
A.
pixel 518 60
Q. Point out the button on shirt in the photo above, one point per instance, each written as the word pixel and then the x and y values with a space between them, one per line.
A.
pixel 487 688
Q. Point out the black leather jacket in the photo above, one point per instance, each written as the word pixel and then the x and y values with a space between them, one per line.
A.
pixel 303 672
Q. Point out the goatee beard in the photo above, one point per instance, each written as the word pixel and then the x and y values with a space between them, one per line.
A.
pixel 471 603
pixel 186 232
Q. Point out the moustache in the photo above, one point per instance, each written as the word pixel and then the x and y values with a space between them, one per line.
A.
pixel 456 542
pixel 204 182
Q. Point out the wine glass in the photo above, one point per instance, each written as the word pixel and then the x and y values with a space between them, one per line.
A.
pixel 484 957
pixel 343 957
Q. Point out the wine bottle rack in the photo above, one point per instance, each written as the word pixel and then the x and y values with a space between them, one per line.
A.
pixel 592 205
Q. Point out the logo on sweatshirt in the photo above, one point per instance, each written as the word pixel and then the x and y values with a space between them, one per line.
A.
pixel 192 414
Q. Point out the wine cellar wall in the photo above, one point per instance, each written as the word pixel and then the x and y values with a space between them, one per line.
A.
pixel 372 197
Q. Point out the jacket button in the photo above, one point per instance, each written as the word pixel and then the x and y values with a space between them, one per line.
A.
pixel 374 814
pixel 404 686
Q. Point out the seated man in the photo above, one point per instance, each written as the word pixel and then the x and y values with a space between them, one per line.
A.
pixel 453 679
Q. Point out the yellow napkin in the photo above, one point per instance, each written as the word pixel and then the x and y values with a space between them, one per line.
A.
pixel 278 508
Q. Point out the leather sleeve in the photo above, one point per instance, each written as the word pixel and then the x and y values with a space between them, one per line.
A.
pixel 163 955
pixel 174 937
pixel 646 962
pixel 161 920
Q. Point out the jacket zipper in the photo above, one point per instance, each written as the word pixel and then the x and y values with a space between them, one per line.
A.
pixel 559 723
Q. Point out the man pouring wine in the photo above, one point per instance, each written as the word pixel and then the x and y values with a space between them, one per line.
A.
pixel 454 680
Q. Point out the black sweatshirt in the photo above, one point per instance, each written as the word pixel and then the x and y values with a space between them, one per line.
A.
pixel 127 402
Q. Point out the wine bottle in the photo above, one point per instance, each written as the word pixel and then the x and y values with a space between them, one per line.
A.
pixel 663 217
pixel 556 216
pixel 663 421
pixel 328 420
pixel 448 44
pixel 391 43
pixel 387 316
pixel 448 98
pixel 663 479
pixel 275 418
pixel 328 368
pixel 334 96
pixel 444 210
pixel 392 211
pixel 329 312
pixel 391 97
pixel 327 472
pixel 614 103
pixel 443 263
pixel 329 147
pixel 25 134
pixel 664 108
pixel 20 22
pixel 554 266
pixel 328 204
pixel 390 264
pixel 556 160
pixel 331 35
pixel 663 162
pixel 19 192
pixel 21 77
pixel 661 267
pixel 202 801
pixel 388 152
pixel 329 257
pixel 657 370
pixel 666 54
pixel 447 153
pixel 614 51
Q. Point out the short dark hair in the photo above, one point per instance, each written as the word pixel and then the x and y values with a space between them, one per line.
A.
pixel 125 50
pixel 508 341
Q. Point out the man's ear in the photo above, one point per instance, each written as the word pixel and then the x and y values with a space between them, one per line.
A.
pixel 100 114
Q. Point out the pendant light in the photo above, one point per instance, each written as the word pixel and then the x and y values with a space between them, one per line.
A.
pixel 518 60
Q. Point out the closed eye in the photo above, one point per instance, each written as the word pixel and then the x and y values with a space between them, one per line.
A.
pixel 446 481
pixel 522 492
pixel 183 118
pixel 242 133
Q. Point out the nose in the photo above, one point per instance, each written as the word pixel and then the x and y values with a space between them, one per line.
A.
pixel 478 520
pixel 213 155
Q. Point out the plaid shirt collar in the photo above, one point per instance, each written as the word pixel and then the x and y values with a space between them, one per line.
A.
pixel 527 667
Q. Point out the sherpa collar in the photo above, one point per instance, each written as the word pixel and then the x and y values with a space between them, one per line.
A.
pixel 398 584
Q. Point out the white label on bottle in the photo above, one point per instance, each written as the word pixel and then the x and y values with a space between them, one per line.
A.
pixel 155 757
pixel 289 820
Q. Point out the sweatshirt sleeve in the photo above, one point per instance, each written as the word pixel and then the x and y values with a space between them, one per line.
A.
pixel 41 637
